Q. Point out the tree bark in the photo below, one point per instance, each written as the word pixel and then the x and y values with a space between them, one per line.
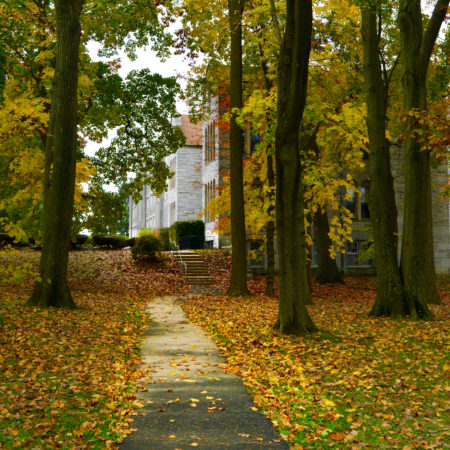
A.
pixel 417 261
pixel 52 288
pixel 270 232
pixel 327 270
pixel 238 280
pixel 293 317
pixel 391 298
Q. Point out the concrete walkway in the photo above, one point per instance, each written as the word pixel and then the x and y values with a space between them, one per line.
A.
pixel 190 401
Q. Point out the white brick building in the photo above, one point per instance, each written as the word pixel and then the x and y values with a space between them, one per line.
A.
pixel 183 198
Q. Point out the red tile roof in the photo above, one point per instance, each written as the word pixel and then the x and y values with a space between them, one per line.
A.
pixel 193 132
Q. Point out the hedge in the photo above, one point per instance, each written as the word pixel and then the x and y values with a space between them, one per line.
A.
pixel 79 241
pixel 188 234
pixel 110 241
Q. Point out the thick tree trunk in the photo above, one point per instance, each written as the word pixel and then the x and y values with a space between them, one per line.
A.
pixel 391 297
pixel 59 179
pixel 270 232
pixel 327 270
pixel 417 262
pixel 238 281
pixel 293 63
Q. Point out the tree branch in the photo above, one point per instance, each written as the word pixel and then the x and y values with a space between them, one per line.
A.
pixel 431 34
pixel 276 24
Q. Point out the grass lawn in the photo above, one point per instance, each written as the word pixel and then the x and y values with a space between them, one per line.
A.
pixel 68 378
pixel 357 382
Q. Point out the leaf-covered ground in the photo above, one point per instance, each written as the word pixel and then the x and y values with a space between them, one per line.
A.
pixel 358 382
pixel 68 378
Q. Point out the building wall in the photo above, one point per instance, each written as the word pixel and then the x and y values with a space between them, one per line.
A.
pixel 183 199
pixel 189 183
pixel 440 207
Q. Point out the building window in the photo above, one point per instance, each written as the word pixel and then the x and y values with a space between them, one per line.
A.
pixel 358 204
pixel 210 142
pixel 353 253
pixel 210 194
pixel 351 203
pixel 173 167
pixel 172 213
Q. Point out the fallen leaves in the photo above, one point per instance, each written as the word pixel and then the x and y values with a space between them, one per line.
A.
pixel 358 382
pixel 68 378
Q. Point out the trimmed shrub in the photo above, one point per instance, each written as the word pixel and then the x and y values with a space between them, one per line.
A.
pixel 109 241
pixel 145 232
pixel 148 246
pixel 79 241
pixel 189 234
pixel 163 235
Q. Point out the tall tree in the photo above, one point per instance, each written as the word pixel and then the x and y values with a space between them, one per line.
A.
pixel 52 288
pixel 417 261
pixel 391 299
pixel 293 317
pixel 238 281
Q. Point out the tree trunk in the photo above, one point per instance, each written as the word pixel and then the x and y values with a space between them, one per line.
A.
pixel 391 297
pixel 52 288
pixel 417 262
pixel 293 317
pixel 327 271
pixel 270 232
pixel 238 280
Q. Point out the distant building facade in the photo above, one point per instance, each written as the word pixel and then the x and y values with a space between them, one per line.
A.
pixel 199 168
pixel 183 199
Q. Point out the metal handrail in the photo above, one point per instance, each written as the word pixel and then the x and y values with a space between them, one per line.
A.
pixel 181 262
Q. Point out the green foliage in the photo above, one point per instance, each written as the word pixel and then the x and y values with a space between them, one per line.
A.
pixel 165 239
pixel 107 212
pixel 79 241
pixel 188 234
pixel 109 241
pixel 2 73
pixel 148 246
pixel 144 104
pixel 145 232
pixel 131 242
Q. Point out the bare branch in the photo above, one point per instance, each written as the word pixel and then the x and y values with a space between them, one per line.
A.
pixel 431 34
pixel 276 24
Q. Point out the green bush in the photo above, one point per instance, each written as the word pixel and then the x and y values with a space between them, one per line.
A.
pixel 147 245
pixel 131 242
pixel 145 232
pixel 79 241
pixel 109 241
pixel 188 234
pixel 165 239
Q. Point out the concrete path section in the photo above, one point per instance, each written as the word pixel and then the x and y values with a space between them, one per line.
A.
pixel 189 401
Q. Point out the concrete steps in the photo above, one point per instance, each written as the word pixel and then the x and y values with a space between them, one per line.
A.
pixel 194 268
